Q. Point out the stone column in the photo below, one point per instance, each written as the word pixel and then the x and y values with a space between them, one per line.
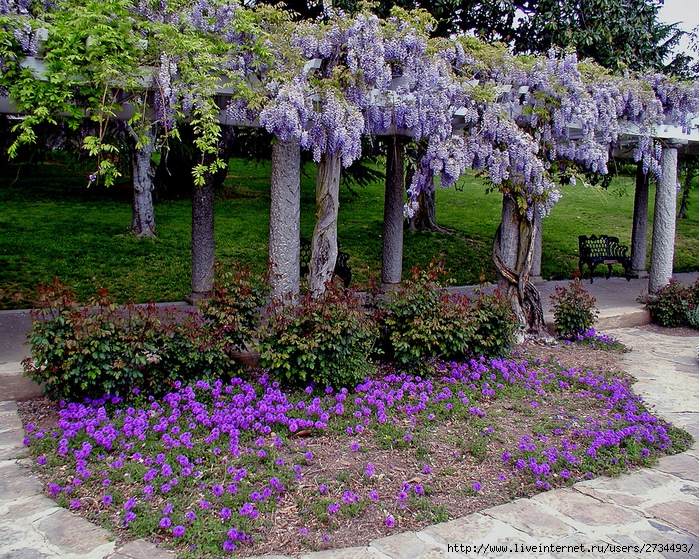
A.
pixel 392 253
pixel 639 236
pixel 663 245
pixel 285 220
pixel 202 238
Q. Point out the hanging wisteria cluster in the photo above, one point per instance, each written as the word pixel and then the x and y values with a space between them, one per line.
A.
pixel 326 83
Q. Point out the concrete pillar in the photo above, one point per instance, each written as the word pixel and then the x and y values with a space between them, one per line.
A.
pixel 639 236
pixel 202 238
pixel 663 244
pixel 285 220
pixel 392 253
pixel 535 275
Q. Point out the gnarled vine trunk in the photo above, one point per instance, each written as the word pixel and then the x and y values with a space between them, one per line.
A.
pixel 324 243
pixel 513 254
pixel 142 172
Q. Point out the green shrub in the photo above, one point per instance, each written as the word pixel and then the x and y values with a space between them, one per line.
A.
pixel 672 304
pixel 232 311
pixel 104 348
pixel 421 320
pixel 327 341
pixel 494 325
pixel 693 317
pixel 191 350
pixel 573 309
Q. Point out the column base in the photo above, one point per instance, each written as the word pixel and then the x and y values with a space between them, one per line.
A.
pixel 387 287
pixel 639 274
pixel 193 298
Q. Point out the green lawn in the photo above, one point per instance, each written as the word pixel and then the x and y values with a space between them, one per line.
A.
pixel 52 225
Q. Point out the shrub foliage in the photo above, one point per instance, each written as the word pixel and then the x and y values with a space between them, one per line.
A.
pixel 674 305
pixel 89 351
pixel 327 340
pixel 104 348
pixel 422 320
pixel 573 309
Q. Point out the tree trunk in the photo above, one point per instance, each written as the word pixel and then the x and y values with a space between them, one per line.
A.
pixel 324 243
pixel 285 220
pixel 203 246
pixel 142 214
pixel 392 255
pixel 425 218
pixel 663 244
pixel 513 254
pixel 639 234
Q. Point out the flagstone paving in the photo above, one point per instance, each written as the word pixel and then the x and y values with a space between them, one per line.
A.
pixel 640 514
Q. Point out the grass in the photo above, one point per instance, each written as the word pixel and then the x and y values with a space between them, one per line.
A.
pixel 219 467
pixel 51 225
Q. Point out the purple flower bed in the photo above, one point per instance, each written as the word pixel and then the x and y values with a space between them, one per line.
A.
pixel 596 340
pixel 207 466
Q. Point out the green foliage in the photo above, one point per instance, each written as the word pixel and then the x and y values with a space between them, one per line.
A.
pixel 573 309
pixel 675 305
pixel 232 311
pixel 420 320
pixel 494 325
pixel 327 340
pixel 103 348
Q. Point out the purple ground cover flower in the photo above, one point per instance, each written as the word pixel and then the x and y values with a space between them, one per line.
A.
pixel 178 531
pixel 241 416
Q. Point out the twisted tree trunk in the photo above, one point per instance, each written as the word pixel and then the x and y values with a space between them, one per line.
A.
pixel 142 172
pixel 324 243
pixel 513 254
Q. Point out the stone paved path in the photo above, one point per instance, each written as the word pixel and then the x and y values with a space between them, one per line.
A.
pixel 649 506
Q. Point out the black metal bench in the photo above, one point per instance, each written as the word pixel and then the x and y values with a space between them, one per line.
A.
pixel 603 249
pixel 342 268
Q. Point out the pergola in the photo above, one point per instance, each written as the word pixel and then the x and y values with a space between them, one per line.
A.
pixel 284 228
pixel 674 140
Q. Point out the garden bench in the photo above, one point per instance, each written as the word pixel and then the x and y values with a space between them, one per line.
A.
pixel 342 268
pixel 603 249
